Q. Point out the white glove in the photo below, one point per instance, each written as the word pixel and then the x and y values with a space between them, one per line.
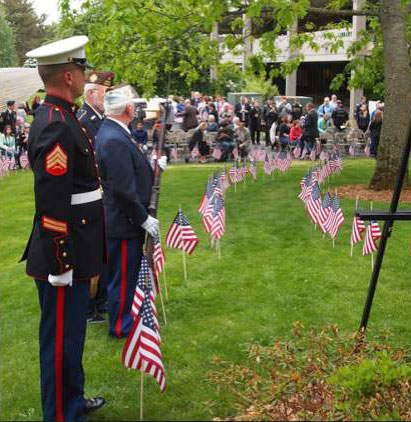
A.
pixel 162 162
pixel 151 226
pixel 65 279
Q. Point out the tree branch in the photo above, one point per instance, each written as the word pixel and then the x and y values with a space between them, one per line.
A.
pixel 342 13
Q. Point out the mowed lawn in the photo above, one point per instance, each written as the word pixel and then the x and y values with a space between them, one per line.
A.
pixel 274 270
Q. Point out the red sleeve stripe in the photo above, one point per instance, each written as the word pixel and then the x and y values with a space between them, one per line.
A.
pixel 54 225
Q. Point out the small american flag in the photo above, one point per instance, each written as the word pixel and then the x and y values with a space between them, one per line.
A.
pixel 324 211
pixel 174 153
pixel 5 165
pixel 24 161
pixel 145 279
pixel 217 154
pixel 208 214
pixel 207 195
pixel 314 203
pixel 336 218
pixel 304 152
pixel 233 173
pixel 351 150
pixel 181 235
pixel 259 154
pixel 142 348
pixel 306 183
pixel 225 183
pixel 367 150
pixel 218 224
pixel 313 154
pixel 358 226
pixel 324 156
pixel 158 256
pixel 195 152
pixel 372 234
pixel 253 169
pixel 267 165
pixel 297 151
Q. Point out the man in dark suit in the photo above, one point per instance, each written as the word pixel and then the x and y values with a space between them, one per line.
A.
pixel 190 120
pixel 66 248
pixel 242 110
pixel 91 117
pixel 127 179
pixel 9 117
pixel 310 128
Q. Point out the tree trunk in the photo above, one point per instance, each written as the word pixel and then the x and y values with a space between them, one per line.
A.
pixel 397 74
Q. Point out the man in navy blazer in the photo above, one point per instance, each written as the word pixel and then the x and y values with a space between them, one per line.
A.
pixel 127 179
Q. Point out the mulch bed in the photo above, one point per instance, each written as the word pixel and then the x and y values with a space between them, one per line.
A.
pixel 363 193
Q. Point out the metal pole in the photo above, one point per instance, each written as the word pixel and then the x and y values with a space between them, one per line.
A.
pixel 386 232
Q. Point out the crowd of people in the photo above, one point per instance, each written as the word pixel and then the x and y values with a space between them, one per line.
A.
pixel 280 124
pixel 14 129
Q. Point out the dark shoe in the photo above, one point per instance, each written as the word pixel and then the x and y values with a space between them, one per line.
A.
pixel 96 319
pixel 93 404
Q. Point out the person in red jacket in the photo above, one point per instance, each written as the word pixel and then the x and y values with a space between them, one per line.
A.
pixel 295 132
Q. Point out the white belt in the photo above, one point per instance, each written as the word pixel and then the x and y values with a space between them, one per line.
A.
pixel 84 198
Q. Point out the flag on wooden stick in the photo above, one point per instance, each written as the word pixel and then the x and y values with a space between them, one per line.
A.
pixel 142 348
pixel 181 235
pixel 372 234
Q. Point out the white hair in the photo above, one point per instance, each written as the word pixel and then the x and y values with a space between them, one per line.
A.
pixel 115 109
pixel 211 118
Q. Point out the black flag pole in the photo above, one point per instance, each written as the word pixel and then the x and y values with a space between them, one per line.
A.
pixel 389 218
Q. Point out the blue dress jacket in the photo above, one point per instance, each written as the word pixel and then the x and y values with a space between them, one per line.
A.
pixel 127 180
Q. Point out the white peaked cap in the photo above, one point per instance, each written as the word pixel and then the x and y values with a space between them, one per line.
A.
pixel 121 96
pixel 69 50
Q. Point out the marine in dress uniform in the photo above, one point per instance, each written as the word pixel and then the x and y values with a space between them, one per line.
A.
pixel 127 178
pixel 67 244
pixel 91 117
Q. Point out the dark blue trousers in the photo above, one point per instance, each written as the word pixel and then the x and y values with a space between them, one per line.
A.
pixel 62 335
pixel 124 263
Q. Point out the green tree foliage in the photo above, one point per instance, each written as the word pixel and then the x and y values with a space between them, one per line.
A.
pixel 8 54
pixel 29 29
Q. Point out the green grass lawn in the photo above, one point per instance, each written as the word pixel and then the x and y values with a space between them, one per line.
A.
pixel 274 270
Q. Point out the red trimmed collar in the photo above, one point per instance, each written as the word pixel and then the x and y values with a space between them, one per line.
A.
pixel 58 101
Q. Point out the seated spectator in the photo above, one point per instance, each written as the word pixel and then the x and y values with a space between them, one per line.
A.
pixel 22 142
pixel 8 143
pixel 212 111
pixel 212 125
pixel 375 132
pixel 243 139
pixel 295 132
pixel 363 118
pixel 198 139
pixel 235 123
pixel 324 123
pixel 140 134
pixel 284 131
pixel 225 113
pixel 225 139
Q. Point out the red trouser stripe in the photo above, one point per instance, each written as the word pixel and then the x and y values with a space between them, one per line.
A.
pixel 58 358
pixel 122 286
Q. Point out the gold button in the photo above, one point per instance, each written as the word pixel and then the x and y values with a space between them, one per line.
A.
pixel 83 221
pixel 61 242
pixel 64 254
pixel 67 266
pixel 86 150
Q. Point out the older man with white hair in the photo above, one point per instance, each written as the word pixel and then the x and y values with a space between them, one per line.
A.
pixel 91 114
pixel 127 179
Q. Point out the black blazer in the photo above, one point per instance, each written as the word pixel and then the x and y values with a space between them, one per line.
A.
pixel 127 179
pixel 64 236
